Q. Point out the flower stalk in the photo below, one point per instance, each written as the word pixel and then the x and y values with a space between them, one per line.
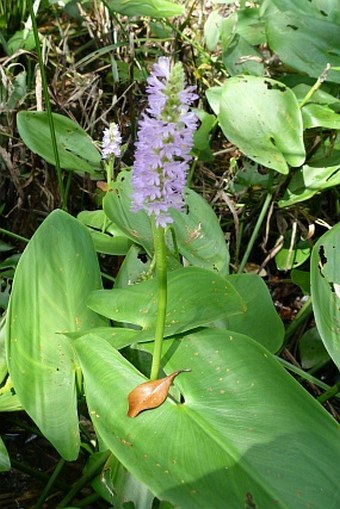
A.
pixel 163 146
pixel 161 274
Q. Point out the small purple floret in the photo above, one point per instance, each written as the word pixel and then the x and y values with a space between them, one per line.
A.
pixel 164 142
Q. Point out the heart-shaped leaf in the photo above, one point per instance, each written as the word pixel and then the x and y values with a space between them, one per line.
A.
pixel 246 426
pixel 262 118
pixel 195 297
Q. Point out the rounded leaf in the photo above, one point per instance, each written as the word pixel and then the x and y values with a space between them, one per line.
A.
pixel 262 118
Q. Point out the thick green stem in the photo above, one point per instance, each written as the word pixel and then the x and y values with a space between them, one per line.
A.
pixel 258 225
pixel 161 273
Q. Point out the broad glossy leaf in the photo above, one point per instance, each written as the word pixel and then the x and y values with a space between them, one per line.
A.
pixel 195 297
pixel 262 118
pixel 260 319
pixel 304 41
pixel 153 8
pixel 308 181
pixel 198 232
pixel 54 276
pixel 76 149
pixel 246 426
pixel 5 463
pixel 325 290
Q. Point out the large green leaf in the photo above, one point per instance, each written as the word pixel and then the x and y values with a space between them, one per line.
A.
pixel 195 297
pixel 4 458
pixel 75 148
pixel 246 428
pixel 306 40
pixel 153 8
pixel 262 118
pixel 54 276
pixel 325 290
pixel 198 233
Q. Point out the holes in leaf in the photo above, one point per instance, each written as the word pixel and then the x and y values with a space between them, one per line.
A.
pixel 142 257
pixel 275 86
pixel 293 27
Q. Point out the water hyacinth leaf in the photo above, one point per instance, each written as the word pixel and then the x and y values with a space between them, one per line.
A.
pixel 195 297
pixel 262 118
pixel 292 256
pixel 325 290
pixel 311 350
pixel 308 181
pixel 117 207
pixel 5 463
pixel 9 402
pixel 301 279
pixel 76 150
pixel 212 28
pixel 55 273
pixel 242 58
pixel 153 8
pixel 260 319
pixel 288 31
pixel 234 443
pixel 199 236
pixel 318 115
pixel 106 236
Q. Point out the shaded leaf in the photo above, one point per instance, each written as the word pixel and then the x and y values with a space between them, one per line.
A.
pixel 4 458
pixel 306 41
pixel 325 290
pixel 76 150
pixel 150 394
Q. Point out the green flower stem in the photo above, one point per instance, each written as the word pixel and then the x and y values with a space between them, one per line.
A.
pixel 161 274
pixel 316 86
pixel 258 225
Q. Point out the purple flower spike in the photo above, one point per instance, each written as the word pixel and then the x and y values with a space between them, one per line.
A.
pixel 164 141
pixel 111 142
